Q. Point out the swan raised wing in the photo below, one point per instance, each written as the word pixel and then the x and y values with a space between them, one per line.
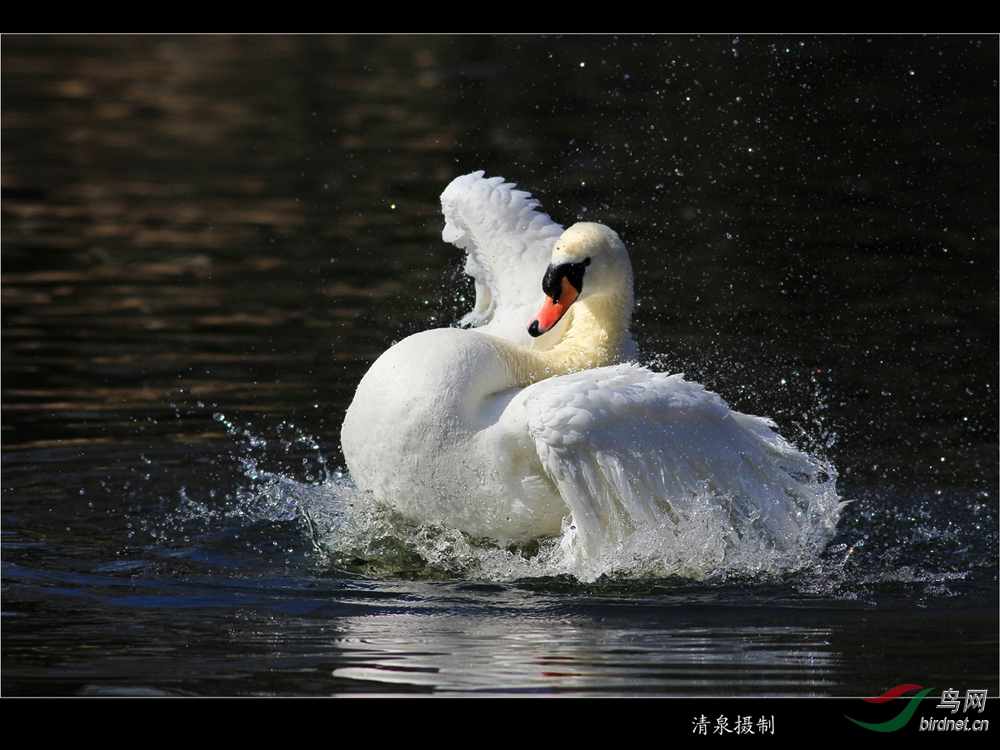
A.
pixel 509 244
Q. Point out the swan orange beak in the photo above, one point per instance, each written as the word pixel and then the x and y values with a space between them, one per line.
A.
pixel 553 309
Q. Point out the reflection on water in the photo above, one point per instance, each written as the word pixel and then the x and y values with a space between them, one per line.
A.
pixel 196 226
pixel 468 653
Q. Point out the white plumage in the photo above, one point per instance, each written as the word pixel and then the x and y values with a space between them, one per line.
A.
pixel 515 436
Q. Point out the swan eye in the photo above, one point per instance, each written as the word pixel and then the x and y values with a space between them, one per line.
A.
pixel 572 272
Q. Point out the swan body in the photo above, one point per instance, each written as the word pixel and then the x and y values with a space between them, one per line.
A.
pixel 536 422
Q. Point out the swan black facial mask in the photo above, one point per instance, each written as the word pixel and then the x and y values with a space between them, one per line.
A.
pixel 562 284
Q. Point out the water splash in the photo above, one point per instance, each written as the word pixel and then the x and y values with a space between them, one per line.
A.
pixel 356 533
pixel 273 490
pixel 282 478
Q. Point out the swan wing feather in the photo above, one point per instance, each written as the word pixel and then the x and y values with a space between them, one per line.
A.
pixel 508 242
pixel 627 447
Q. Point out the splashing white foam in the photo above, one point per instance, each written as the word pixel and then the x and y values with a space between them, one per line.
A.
pixel 353 530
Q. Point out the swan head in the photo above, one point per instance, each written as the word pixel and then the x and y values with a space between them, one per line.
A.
pixel 589 261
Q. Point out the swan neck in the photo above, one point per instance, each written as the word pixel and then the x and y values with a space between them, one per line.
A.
pixel 596 336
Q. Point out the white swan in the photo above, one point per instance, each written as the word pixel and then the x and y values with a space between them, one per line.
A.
pixel 532 423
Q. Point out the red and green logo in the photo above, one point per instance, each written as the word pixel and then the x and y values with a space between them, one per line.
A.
pixel 903 716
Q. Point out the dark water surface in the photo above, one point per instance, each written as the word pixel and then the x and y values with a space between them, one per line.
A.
pixel 207 240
